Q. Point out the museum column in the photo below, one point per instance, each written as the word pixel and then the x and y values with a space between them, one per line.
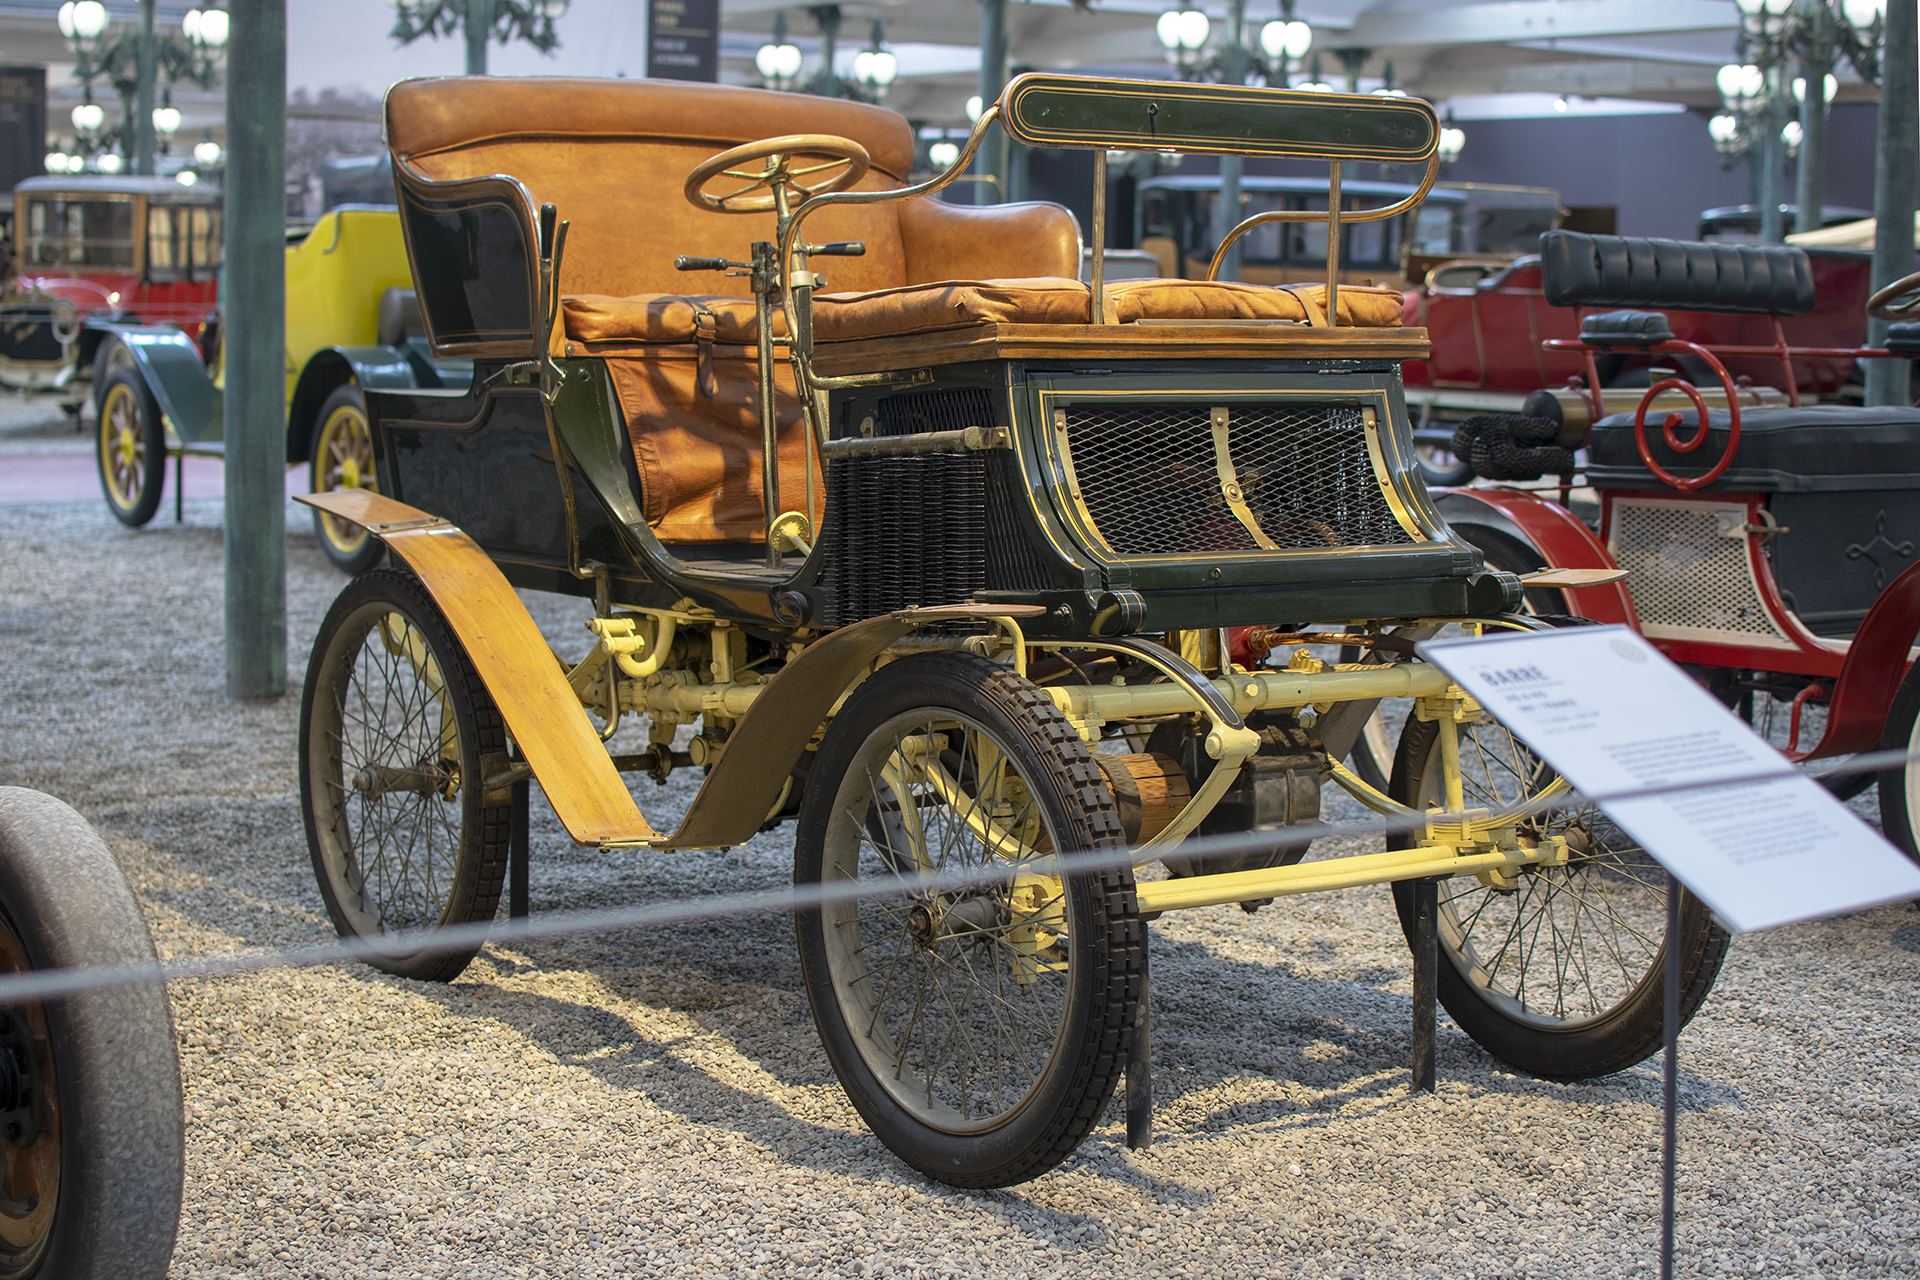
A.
pixel 255 410
pixel 1893 182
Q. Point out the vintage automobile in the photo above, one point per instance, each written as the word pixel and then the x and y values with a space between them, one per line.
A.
pixel 115 294
pixel 937 564
pixel 1767 547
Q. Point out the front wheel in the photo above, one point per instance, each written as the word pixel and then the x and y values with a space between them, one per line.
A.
pixel 91 1131
pixel 130 448
pixel 342 458
pixel 979 1030
pixel 1559 971
pixel 397 735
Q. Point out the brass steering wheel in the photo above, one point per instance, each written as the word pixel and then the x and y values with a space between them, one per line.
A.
pixel 843 161
pixel 1898 301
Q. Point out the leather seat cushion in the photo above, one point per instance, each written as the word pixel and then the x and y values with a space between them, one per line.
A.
pixel 661 317
pixel 956 304
pixel 1626 329
pixel 1782 450
pixel 1904 337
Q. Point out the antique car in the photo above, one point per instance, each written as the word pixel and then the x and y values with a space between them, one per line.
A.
pixel 1768 547
pixel 901 534
pixel 114 294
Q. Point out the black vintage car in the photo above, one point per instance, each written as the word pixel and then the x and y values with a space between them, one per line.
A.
pixel 905 535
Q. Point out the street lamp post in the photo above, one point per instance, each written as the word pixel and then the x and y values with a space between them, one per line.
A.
pixel 476 21
pixel 1889 381
pixel 134 62
pixel 1184 33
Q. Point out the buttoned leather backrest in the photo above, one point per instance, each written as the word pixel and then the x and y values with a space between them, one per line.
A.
pixel 613 155
pixel 1623 271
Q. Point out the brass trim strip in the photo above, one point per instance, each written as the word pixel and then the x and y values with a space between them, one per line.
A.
pixel 1230 490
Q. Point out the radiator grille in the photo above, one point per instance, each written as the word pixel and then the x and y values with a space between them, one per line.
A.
pixel 1682 572
pixel 1151 482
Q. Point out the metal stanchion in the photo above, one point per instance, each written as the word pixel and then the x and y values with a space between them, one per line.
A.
pixel 1426 981
pixel 1671 1084
pixel 1140 1066
pixel 518 854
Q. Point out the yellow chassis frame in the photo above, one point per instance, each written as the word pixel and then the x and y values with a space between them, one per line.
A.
pixel 545 702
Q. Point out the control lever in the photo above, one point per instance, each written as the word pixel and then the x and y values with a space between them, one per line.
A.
pixel 838 249
pixel 685 263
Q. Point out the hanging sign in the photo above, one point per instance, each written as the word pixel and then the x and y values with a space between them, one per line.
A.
pixel 683 40
pixel 1615 717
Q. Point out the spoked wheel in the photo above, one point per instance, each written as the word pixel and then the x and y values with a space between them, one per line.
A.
pixel 1559 971
pixel 91 1147
pixel 130 447
pixel 342 458
pixel 396 734
pixel 978 1030
pixel 1900 785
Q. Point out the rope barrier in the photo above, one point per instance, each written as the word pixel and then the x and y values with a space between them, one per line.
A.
pixel 50 984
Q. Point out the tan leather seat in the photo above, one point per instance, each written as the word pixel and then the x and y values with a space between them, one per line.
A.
pixel 612 156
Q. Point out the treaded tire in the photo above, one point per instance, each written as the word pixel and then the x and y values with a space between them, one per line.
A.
pixel 1106 940
pixel 116 1069
pixel 457 879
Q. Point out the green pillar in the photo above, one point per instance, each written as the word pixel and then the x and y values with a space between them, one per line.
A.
pixel 993 78
pixel 255 339
pixel 145 73
pixel 1773 155
pixel 1813 143
pixel 1888 381
pixel 1235 61
pixel 478 25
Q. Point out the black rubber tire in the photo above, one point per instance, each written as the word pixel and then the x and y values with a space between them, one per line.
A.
pixel 117 1099
pixel 134 495
pixel 348 554
pixel 1629 1028
pixel 1105 940
pixel 463 874
pixel 1900 786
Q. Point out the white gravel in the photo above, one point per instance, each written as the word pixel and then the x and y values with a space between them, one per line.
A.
pixel 656 1103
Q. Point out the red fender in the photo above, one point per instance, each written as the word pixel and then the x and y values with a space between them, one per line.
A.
pixel 1876 662
pixel 1560 537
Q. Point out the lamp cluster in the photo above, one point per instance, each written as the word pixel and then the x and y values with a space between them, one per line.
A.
pixel 779 61
pixel 101 53
pixel 1184 34
pixel 1773 34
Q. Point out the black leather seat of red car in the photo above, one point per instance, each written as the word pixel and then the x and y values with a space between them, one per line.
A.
pixel 1580 270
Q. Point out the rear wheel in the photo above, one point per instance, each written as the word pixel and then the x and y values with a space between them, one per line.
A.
pixel 130 447
pixel 341 457
pixel 1900 785
pixel 1560 970
pixel 396 736
pixel 978 1030
pixel 91 1147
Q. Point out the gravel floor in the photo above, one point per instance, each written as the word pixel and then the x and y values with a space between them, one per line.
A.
pixel 656 1103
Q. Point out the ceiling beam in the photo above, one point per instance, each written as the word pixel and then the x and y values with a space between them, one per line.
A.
pixel 1537 20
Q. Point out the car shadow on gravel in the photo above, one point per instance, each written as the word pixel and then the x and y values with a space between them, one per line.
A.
pixel 1328 1044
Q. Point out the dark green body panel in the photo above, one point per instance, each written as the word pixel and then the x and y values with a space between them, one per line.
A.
pixel 483 459
pixel 1156 115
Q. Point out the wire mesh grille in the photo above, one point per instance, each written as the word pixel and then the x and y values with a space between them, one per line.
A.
pixel 1683 572
pixel 1150 480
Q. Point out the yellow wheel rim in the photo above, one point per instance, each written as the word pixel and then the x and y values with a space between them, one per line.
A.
pixel 344 460
pixel 123 447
